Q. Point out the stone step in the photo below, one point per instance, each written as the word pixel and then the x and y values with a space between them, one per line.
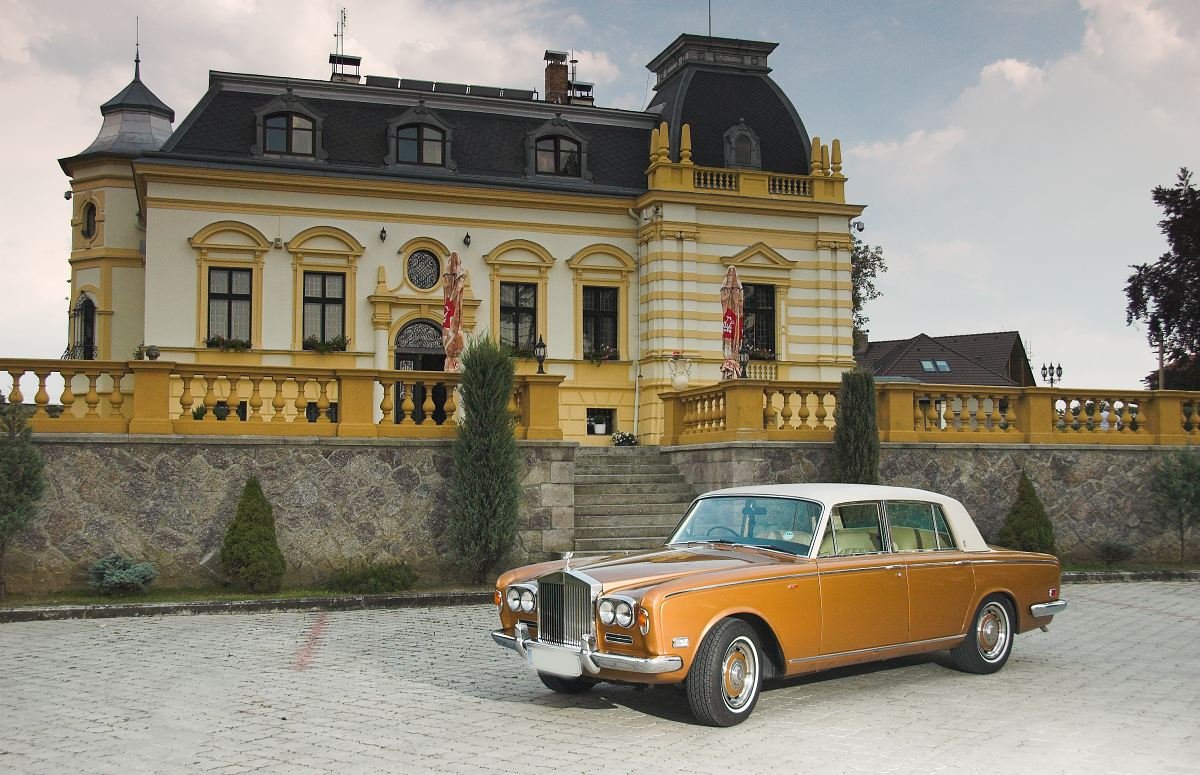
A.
pixel 617 452
pixel 616 544
pixel 625 468
pixel 626 501
pixel 628 478
pixel 663 521
pixel 622 510
pixel 623 531
pixel 681 490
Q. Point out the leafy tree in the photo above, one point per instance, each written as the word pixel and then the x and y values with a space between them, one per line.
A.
pixel 1027 527
pixel 485 495
pixel 1175 490
pixel 866 263
pixel 21 482
pixel 1166 293
pixel 1180 374
pixel 856 434
pixel 250 555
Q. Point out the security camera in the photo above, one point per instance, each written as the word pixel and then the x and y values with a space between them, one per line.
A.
pixel 67 195
pixel 858 226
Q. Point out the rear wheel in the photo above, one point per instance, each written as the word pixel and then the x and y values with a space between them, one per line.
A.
pixel 989 641
pixel 724 682
pixel 566 685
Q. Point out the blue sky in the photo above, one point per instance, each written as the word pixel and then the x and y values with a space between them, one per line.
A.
pixel 1005 149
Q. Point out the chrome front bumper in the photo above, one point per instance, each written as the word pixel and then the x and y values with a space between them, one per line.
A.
pixel 1047 609
pixel 572 662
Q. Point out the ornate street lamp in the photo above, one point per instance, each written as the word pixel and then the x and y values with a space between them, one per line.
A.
pixel 744 357
pixel 1052 373
pixel 539 352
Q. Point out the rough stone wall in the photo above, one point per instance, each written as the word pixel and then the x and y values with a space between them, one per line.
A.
pixel 1092 494
pixel 335 501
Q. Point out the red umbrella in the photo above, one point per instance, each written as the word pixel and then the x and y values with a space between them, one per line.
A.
pixel 453 281
pixel 731 324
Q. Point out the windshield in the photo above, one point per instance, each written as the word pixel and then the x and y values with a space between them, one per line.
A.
pixel 785 524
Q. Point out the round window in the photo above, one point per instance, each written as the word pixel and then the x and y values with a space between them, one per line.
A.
pixel 424 268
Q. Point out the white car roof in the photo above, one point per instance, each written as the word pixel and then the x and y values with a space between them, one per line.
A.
pixel 828 494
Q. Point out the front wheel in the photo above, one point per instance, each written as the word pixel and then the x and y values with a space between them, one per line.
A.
pixel 566 685
pixel 724 682
pixel 989 641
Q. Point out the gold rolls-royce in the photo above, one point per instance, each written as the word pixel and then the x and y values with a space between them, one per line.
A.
pixel 775 581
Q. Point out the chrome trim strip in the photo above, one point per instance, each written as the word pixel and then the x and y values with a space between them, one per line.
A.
pixel 943 564
pixel 591 661
pixel 837 571
pixel 1048 609
pixel 876 649
pixel 741 583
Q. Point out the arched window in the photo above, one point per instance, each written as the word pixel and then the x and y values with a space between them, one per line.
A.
pixel 742 148
pixel 421 144
pixel 88 227
pixel 83 330
pixel 289 133
pixel 558 156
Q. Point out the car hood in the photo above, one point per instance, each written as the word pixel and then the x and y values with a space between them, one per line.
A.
pixel 650 568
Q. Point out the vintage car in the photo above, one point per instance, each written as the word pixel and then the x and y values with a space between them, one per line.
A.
pixel 774 581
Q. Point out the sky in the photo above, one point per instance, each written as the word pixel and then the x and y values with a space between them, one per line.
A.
pixel 1006 150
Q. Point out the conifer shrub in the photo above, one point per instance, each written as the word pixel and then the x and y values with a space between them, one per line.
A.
pixel 250 555
pixel 1115 552
pixel 121 575
pixel 1027 527
pixel 485 494
pixel 372 578
pixel 21 480
pixel 856 434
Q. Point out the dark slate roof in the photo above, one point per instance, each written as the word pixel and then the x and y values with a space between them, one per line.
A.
pixel 135 122
pixel 902 359
pixel 994 351
pixel 486 144
pixel 138 95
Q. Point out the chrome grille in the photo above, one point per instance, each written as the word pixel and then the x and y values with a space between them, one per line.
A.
pixel 564 609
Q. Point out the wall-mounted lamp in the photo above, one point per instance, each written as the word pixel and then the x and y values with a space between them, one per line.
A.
pixel 383 234
pixel 467 239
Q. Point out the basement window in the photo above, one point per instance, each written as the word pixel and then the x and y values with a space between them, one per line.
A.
pixel 600 421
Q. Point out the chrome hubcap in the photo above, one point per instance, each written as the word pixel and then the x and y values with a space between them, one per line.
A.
pixel 739 674
pixel 992 633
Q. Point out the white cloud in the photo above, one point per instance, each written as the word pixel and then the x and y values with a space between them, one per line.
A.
pixel 1019 74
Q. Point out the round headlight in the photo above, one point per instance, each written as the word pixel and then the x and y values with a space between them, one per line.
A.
pixel 526 601
pixel 624 613
pixel 514 598
pixel 606 612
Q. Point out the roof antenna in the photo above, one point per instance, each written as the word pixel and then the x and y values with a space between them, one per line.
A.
pixel 137 48
pixel 339 47
pixel 710 18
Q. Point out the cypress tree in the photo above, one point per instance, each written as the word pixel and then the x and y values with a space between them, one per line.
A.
pixel 21 481
pixel 856 435
pixel 485 495
pixel 1027 527
pixel 250 555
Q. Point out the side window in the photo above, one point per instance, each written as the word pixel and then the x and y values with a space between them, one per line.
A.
pixel 918 527
pixel 854 528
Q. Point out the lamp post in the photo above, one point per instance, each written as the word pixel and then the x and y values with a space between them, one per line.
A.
pixel 539 352
pixel 1052 373
pixel 744 358
pixel 1156 327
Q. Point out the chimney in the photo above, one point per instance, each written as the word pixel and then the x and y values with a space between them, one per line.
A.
pixel 557 81
pixel 861 345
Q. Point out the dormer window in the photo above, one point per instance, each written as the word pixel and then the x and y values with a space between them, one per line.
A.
pixel 287 127
pixel 420 144
pixel 289 133
pixel 742 148
pixel 558 156
pixel 556 148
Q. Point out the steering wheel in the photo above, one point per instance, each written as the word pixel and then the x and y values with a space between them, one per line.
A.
pixel 729 530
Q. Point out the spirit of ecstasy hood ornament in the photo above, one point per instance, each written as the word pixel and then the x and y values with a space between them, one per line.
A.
pixel 567 560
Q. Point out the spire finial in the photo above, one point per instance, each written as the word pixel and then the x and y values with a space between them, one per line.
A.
pixel 137 49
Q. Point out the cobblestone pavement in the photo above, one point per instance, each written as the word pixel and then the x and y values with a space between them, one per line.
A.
pixel 1112 688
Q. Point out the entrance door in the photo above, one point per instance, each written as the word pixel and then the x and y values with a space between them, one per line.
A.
pixel 419 348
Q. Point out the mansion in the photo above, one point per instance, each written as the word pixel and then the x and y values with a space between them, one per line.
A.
pixel 287 222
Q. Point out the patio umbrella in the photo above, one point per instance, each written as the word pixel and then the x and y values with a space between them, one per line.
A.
pixel 731 324
pixel 453 281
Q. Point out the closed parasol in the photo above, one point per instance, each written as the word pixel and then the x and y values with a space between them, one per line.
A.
pixel 731 324
pixel 453 281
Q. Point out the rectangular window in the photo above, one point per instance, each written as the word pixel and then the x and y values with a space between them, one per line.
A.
pixel 942 366
pixel 758 330
pixel 927 366
pixel 229 303
pixel 324 305
pixel 518 315
pixel 600 320
pixel 853 528
pixel 918 527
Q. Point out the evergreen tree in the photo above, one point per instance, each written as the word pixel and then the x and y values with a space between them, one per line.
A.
pixel 856 434
pixel 485 495
pixel 1175 491
pixel 250 555
pixel 1027 527
pixel 21 481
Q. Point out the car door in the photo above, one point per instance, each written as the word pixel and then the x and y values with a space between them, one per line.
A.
pixel 941 581
pixel 864 589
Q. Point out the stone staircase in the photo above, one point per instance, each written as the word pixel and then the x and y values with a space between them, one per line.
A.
pixel 626 499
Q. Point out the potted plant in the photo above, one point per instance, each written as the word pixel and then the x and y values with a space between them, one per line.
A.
pixel 336 344
pixel 600 354
pixel 624 439
pixel 231 344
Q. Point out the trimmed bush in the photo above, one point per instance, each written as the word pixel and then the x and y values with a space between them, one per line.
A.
pixel 856 434
pixel 372 578
pixel 250 555
pixel 1114 552
pixel 1175 493
pixel 486 492
pixel 21 481
pixel 121 575
pixel 1027 527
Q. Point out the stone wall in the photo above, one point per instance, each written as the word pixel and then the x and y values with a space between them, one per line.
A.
pixel 1092 494
pixel 335 501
